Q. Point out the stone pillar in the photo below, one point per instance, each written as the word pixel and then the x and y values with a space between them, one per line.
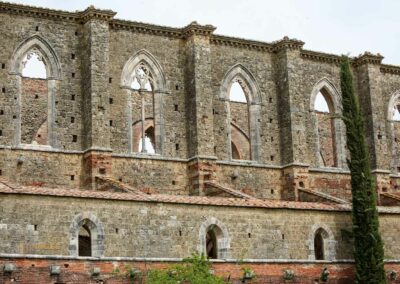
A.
pixel 199 102
pixel 292 118
pixel 95 66
pixel 374 108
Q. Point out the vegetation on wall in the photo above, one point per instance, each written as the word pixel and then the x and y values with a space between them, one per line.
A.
pixel 368 251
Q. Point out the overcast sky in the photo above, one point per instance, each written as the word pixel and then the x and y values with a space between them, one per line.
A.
pixel 333 26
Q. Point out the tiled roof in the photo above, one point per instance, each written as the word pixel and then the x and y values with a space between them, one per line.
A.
pixel 230 191
pixel 11 188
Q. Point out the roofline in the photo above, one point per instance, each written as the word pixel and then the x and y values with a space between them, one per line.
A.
pixel 181 33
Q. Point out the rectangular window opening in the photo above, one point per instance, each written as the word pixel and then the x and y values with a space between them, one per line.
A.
pixel 37 28
pixel 72 119
pixel 72 97
pixel 72 177
pixel 110 80
pixel 111 123
pixel 74 138
pixel 177 146
pixel 176 107
pixel 3 66
pixel 73 75
pixel 111 101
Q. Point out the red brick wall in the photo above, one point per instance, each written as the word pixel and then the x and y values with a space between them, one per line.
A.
pixel 79 271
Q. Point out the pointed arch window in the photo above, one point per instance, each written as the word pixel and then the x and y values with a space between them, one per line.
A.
pixel 84 241
pixel 319 245
pixel 35 70
pixel 325 119
pixel 214 239
pixel 144 80
pixel 242 100
pixel 394 123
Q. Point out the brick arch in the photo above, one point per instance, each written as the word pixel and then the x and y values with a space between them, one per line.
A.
pixel 46 52
pixel 239 73
pixel 338 140
pixel 222 235
pixel 96 232
pixel 328 240
pixel 38 45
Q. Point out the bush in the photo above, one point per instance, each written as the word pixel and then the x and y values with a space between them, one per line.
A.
pixel 193 270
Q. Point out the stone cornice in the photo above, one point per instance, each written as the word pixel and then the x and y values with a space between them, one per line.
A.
pixel 368 58
pixel 146 28
pixel 196 29
pixel 23 10
pixel 32 11
pixel 390 69
pixel 241 43
pixel 287 43
pixel 320 56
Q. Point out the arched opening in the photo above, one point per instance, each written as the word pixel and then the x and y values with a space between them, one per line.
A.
pixel 241 97
pixel 149 136
pixel 34 100
pixel 240 144
pixel 394 120
pixel 144 80
pixel 324 110
pixel 240 123
pixel 235 152
pixel 319 245
pixel 211 245
pixel 236 93
pixel 149 141
pixel 84 241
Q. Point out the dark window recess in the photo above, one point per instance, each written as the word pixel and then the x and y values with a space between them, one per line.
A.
pixel 301 184
pixel 120 179
pixel 1 112
pixel 110 80
pixel 270 100
pixel 74 138
pixel 102 171
pixel 249 235
pixel 116 230
pixel 176 146
pixel 72 177
pixel 272 139
pixel 3 66
pixel 72 55
pixel 283 236
pixel 180 233
pixel 72 119
pixel 176 107
pixel 76 33
pixel 1 132
pixel 56 102
pixel 272 191
pixel 36 96
pixel 1 172
pixel 379 136
pixel 111 101
pixel 111 123
pixel 14 116
pixel 215 149
pixel 177 87
pixel 3 90
pixel 73 75
pixel 72 97
pixel 395 139
pixel 35 227
pixel 84 241
pixel 270 120
pixel 173 182
pixel 37 28
pixel 272 158
pixel 398 169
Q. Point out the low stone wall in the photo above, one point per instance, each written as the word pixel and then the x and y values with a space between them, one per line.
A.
pixel 37 270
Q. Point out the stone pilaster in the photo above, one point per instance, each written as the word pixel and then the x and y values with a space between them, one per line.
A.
pixel 292 118
pixel 95 68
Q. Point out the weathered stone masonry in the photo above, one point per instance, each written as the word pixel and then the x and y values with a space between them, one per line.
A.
pixel 263 177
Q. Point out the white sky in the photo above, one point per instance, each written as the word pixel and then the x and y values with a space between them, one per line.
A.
pixel 333 26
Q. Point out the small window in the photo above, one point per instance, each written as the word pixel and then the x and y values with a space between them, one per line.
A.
pixel 84 241
pixel 319 246
pixel 211 245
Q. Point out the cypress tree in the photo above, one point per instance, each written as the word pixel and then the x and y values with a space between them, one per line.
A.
pixel 368 245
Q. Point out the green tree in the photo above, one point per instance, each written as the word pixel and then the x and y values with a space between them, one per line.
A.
pixel 193 270
pixel 368 245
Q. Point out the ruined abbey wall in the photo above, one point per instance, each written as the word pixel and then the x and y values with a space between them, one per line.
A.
pixel 70 143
